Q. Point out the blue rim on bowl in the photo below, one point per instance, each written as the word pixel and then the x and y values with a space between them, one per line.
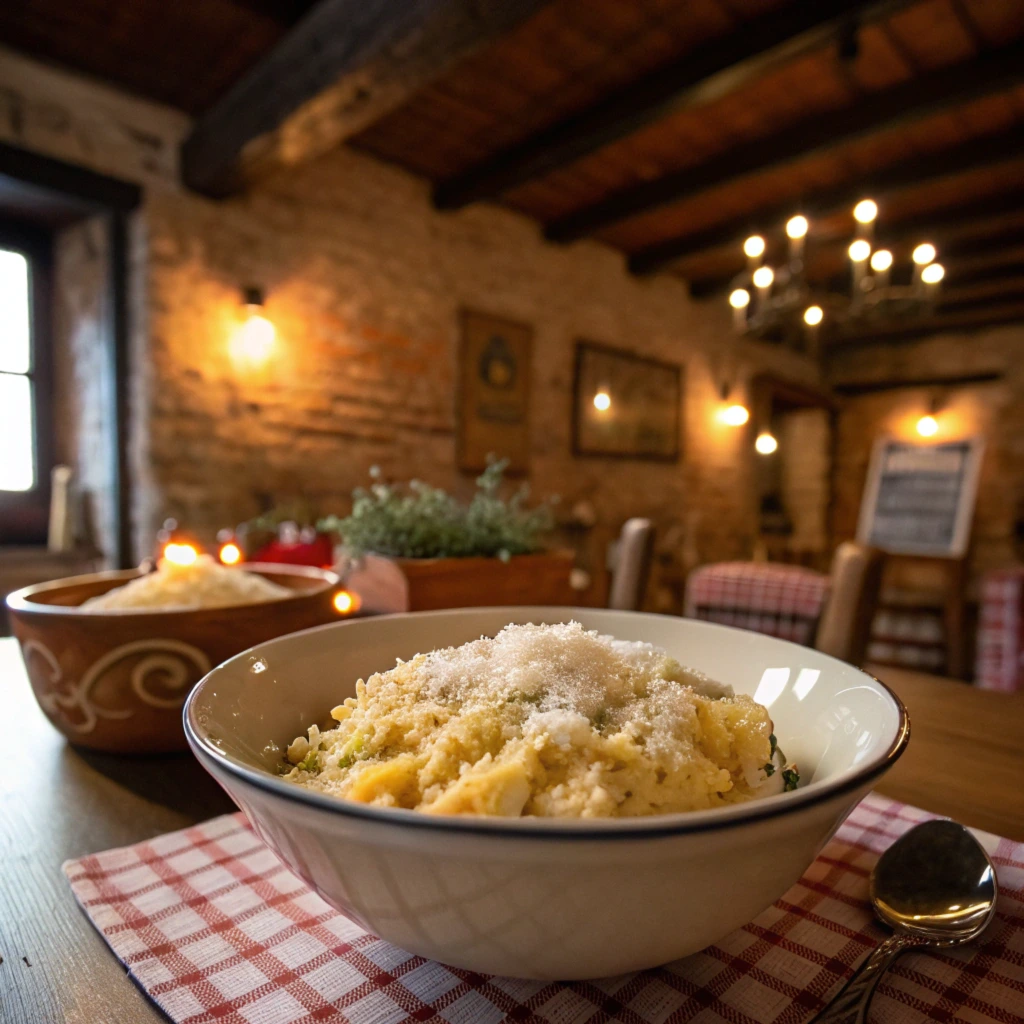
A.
pixel 653 826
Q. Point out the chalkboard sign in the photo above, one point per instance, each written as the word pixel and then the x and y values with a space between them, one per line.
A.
pixel 919 499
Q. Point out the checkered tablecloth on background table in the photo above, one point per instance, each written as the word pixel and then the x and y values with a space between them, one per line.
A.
pixel 767 597
pixel 214 929
pixel 999 662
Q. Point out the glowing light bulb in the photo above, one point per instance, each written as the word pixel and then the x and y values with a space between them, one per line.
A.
pixel 766 443
pixel 881 260
pixel 230 554
pixel 763 277
pixel 796 227
pixel 813 315
pixel 754 246
pixel 739 299
pixel 865 211
pixel 345 602
pixel 933 273
pixel 180 554
pixel 924 254
pixel 602 401
pixel 734 415
pixel 860 250
pixel 927 426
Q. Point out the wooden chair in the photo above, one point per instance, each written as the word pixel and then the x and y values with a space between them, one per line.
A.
pixel 844 628
pixel 631 566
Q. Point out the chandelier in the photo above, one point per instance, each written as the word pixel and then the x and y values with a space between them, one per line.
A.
pixel 778 304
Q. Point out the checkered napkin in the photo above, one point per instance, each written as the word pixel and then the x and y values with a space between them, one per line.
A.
pixel 214 929
pixel 1000 660
pixel 767 597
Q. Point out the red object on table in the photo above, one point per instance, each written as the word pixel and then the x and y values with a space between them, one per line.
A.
pixel 1000 658
pixel 317 552
pixel 766 597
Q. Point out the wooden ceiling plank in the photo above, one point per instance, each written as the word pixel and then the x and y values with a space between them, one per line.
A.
pixel 345 64
pixel 1012 311
pixel 893 108
pixel 694 80
pixel 970 156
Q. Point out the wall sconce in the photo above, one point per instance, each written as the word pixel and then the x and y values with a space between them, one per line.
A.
pixel 732 414
pixel 928 425
pixel 253 342
pixel 766 443
pixel 602 400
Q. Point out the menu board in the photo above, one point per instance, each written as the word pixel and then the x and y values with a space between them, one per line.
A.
pixel 919 499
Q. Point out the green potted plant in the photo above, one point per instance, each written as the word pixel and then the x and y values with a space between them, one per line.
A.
pixel 450 554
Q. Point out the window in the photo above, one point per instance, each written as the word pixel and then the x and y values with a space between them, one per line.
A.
pixel 19 470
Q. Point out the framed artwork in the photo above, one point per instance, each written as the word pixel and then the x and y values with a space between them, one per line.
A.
pixel 919 498
pixel 625 405
pixel 494 392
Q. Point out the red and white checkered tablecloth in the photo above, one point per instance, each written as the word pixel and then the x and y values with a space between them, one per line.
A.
pixel 214 929
pixel 767 597
pixel 999 663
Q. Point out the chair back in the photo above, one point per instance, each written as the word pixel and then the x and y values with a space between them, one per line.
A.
pixel 855 582
pixel 633 552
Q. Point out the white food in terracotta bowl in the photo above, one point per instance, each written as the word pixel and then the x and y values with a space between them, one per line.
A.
pixel 544 792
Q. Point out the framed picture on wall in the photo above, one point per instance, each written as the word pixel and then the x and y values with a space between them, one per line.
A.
pixel 625 405
pixel 493 396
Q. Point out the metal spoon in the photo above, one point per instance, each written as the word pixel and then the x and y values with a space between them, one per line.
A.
pixel 935 887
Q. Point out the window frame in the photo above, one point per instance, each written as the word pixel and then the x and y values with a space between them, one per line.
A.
pixel 24 515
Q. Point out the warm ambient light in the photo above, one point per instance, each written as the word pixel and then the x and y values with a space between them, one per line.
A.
pixel 602 401
pixel 754 246
pixel 865 211
pixel 180 554
pixel 345 602
pixel 813 315
pixel 796 227
pixel 230 554
pixel 763 277
pixel 927 426
pixel 933 273
pixel 924 254
pixel 253 342
pixel 881 260
pixel 734 415
pixel 766 443
pixel 739 299
pixel 859 250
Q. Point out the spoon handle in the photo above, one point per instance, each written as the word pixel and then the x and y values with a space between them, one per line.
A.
pixel 850 1006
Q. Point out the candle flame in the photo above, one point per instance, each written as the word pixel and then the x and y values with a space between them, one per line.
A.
pixel 345 602
pixel 180 554
pixel 230 554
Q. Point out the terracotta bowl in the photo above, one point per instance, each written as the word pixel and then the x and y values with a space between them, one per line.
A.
pixel 116 680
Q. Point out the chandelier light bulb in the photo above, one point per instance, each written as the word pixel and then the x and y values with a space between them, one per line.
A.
pixel 796 227
pixel 860 250
pixel 766 443
pixel 865 211
pixel 924 254
pixel 754 246
pixel 933 273
pixel 763 277
pixel 881 260
pixel 813 315
pixel 739 299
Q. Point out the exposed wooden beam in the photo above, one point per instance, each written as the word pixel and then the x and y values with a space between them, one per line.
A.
pixel 926 94
pixel 971 319
pixel 976 154
pixel 343 66
pixel 870 387
pixel 985 217
pixel 698 78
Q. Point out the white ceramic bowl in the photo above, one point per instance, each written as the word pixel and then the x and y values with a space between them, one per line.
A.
pixel 543 898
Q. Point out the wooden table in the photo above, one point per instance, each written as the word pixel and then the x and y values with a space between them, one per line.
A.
pixel 965 759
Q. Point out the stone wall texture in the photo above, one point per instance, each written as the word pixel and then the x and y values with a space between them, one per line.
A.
pixel 364 282
pixel 994 410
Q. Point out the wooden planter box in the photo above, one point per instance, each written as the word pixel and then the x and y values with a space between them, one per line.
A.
pixel 420 584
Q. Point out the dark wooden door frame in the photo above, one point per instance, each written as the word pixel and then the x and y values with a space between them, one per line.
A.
pixel 114 200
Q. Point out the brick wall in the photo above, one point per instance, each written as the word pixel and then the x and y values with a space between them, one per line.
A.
pixel 364 282
pixel 994 410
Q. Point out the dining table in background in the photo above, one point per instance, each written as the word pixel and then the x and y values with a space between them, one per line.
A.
pixel 56 801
